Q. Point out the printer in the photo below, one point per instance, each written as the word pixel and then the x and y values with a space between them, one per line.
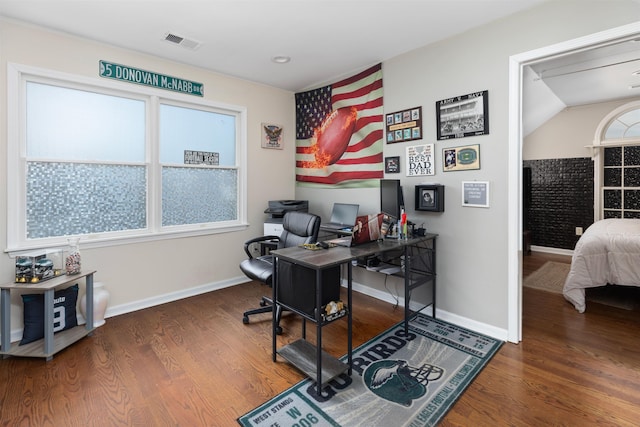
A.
pixel 277 209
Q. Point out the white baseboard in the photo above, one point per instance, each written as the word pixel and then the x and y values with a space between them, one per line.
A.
pixel 556 251
pixel 16 335
pixel 483 328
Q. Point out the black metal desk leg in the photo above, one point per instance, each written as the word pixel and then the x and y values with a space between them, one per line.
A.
pixel 350 317
pixel 274 287
pixel 319 331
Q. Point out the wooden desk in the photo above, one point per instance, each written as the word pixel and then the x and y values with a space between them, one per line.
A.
pixel 418 269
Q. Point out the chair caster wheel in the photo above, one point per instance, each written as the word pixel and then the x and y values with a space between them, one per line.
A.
pixel 263 303
pixel 278 330
pixel 245 320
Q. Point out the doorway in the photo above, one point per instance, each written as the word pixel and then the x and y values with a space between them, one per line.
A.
pixel 517 63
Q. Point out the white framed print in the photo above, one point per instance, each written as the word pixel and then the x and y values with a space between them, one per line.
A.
pixel 272 136
pixel 475 194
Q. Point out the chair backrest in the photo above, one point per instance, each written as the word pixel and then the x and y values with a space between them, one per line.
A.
pixel 299 228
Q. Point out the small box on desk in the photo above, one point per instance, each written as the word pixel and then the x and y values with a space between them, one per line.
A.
pixel 36 266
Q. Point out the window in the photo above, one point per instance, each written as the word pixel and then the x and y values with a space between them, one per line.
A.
pixel 618 163
pixel 88 158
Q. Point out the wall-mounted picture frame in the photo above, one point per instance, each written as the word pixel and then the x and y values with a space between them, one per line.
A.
pixel 429 197
pixel 272 136
pixel 462 116
pixel 392 164
pixel 420 160
pixel 461 158
pixel 405 125
pixel 475 194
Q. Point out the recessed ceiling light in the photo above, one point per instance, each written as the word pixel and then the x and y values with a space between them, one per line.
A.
pixel 281 59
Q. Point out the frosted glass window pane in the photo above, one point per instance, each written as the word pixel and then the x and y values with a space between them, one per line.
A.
pixel 70 124
pixel 198 195
pixel 196 130
pixel 633 131
pixel 630 117
pixel 615 130
pixel 73 198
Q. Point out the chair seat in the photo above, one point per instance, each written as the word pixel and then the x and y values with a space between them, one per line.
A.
pixel 260 268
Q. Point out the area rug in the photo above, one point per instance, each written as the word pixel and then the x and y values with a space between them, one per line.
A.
pixel 552 275
pixel 398 379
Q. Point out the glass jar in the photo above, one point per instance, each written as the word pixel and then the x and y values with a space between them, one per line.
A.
pixel 72 262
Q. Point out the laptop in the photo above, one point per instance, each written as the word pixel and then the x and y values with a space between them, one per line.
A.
pixel 367 229
pixel 343 216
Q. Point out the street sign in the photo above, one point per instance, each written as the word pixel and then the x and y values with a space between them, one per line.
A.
pixel 125 73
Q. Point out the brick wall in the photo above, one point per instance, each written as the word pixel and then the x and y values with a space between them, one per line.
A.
pixel 561 200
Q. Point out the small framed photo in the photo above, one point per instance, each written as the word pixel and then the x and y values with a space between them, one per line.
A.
pixel 475 194
pixel 429 197
pixel 272 136
pixel 462 116
pixel 392 164
pixel 461 158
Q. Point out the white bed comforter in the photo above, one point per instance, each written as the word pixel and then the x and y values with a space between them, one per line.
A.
pixel 607 253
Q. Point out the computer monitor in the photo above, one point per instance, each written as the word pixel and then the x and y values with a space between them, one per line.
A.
pixel 391 198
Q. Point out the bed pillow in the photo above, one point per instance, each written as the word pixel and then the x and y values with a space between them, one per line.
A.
pixel 64 313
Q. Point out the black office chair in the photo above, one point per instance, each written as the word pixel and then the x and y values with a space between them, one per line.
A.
pixel 298 228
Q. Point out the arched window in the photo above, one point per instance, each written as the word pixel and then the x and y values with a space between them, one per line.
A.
pixel 617 164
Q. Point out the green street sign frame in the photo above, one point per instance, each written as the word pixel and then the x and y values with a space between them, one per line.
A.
pixel 125 73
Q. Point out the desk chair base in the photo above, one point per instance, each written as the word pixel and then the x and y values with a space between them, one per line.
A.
pixel 266 306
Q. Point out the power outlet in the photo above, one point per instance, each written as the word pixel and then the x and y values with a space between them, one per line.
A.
pixel 578 231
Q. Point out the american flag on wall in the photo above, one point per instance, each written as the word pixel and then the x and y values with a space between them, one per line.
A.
pixel 339 132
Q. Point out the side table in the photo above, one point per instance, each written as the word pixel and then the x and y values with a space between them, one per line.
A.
pixel 49 345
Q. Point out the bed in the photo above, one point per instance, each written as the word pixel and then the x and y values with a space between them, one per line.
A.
pixel 607 253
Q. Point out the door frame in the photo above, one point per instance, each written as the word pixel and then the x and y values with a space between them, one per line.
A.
pixel 514 213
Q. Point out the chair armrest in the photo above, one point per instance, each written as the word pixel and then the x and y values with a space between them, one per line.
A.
pixel 257 240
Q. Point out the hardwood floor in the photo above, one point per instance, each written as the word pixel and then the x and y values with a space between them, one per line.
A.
pixel 193 363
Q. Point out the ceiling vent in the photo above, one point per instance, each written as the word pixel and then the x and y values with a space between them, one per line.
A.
pixel 182 41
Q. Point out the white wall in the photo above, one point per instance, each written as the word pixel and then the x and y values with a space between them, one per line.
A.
pixel 566 134
pixel 472 244
pixel 472 247
pixel 148 273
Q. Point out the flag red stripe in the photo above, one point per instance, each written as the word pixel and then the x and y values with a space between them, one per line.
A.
pixel 365 142
pixel 358 76
pixel 375 158
pixel 364 121
pixel 357 93
pixel 337 177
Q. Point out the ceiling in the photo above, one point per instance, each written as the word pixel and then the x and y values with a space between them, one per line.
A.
pixel 326 40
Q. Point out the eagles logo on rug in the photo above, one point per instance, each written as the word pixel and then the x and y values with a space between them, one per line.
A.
pixel 396 381
pixel 401 377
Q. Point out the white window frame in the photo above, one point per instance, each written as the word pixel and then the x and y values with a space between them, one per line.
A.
pixel 599 144
pixel 18 75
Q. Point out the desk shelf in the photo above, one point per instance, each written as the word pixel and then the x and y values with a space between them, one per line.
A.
pixel 302 354
pixel 63 339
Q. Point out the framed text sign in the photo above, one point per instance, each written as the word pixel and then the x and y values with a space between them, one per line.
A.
pixel 420 160
pixel 475 194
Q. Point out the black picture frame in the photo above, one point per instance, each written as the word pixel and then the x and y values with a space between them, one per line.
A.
pixel 392 164
pixel 429 197
pixel 462 116
pixel 405 125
